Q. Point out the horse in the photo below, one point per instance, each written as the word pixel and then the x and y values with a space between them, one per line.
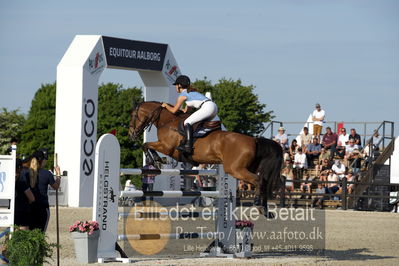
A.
pixel 253 160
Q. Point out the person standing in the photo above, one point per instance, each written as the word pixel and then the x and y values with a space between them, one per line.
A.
pixel 148 179
pixel 40 179
pixel 318 117
pixel 23 197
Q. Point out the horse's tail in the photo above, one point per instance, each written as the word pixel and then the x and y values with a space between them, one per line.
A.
pixel 270 157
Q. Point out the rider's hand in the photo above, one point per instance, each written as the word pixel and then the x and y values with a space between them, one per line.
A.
pixel 164 105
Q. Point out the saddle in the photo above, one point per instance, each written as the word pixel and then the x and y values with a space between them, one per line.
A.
pixel 201 129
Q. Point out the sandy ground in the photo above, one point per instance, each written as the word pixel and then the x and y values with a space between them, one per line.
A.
pixel 352 238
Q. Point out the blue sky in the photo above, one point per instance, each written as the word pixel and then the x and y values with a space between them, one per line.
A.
pixel 342 54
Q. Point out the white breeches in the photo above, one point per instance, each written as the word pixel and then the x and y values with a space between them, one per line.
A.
pixel 208 111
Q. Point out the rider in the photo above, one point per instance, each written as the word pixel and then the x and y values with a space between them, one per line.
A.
pixel 206 109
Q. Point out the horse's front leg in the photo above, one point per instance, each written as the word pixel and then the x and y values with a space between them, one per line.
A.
pixel 150 149
pixel 148 157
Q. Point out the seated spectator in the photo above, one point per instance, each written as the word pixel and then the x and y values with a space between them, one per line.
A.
pixel 354 161
pixel 293 149
pixel 313 152
pixel 330 142
pixel 350 178
pixel 343 138
pixel 323 176
pixel 306 187
pixel 349 151
pixel 287 173
pixel 356 137
pixel 332 187
pixel 339 169
pixel 300 164
pixel 282 138
pixel 318 199
pixel 323 155
pixel 305 139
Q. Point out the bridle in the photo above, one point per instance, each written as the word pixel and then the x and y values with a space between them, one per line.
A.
pixel 148 121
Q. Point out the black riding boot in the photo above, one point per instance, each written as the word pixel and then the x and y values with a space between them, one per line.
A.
pixel 188 146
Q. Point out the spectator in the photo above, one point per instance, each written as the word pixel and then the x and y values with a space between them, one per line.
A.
pixel 350 149
pixel 305 139
pixel 323 176
pixel 318 199
pixel 287 173
pixel 318 116
pixel 332 187
pixel 376 139
pixel 40 179
pixel 343 138
pixel 293 149
pixel 306 187
pixel 323 156
pixel 23 198
pixel 354 160
pixel 300 164
pixel 313 152
pixel 355 137
pixel 148 180
pixel 330 142
pixel 339 169
pixel 350 178
pixel 282 138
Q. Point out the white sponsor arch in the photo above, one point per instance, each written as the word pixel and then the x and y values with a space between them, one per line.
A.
pixel 77 92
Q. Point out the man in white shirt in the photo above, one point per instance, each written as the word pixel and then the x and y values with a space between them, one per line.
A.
pixel 305 139
pixel 339 169
pixel 318 116
pixel 343 138
pixel 300 163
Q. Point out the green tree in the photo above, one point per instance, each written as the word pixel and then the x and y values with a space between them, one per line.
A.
pixel 38 130
pixel 115 105
pixel 114 108
pixel 239 108
pixel 11 123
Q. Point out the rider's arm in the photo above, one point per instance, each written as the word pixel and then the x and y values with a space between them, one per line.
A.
pixel 175 108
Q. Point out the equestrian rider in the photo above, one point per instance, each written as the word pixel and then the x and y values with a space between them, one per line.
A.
pixel 206 109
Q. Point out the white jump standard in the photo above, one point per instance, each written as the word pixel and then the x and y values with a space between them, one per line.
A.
pixel 105 207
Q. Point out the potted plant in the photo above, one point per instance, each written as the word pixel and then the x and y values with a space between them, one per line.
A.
pixel 244 237
pixel 85 235
pixel 28 247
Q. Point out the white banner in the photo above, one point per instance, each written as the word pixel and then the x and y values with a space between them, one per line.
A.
pixel 106 193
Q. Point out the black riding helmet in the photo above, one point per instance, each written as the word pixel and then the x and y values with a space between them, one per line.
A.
pixel 41 154
pixel 183 80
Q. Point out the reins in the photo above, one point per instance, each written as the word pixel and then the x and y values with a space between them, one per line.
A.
pixel 148 121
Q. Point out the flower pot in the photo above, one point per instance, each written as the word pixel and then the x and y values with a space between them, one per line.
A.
pixel 86 246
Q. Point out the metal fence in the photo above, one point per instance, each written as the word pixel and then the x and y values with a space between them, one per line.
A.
pixel 344 195
pixel 365 129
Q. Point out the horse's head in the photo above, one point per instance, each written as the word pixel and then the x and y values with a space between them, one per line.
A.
pixel 142 117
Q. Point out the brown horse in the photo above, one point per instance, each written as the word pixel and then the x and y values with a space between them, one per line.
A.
pixel 253 160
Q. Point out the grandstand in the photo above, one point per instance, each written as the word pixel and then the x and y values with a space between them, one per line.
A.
pixel 371 178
